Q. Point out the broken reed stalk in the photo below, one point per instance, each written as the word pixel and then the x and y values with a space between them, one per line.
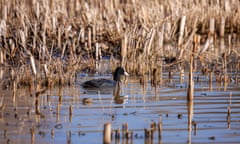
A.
pixel 212 35
pixel 170 75
pixel 129 135
pixel 14 85
pixel 58 111
pixel 222 27
pixel 190 84
pixel 190 119
pixel 180 38
pixel 69 137
pixel 212 26
pixel 52 133
pixel 228 115
pixel 229 111
pixel 34 38
pixel 5 134
pixel 117 134
pixel 181 31
pixel 70 113
pixel 1 57
pixel 160 128
pixel 181 73
pixel 126 134
pixel 1 72
pixel 107 133
pixel 160 72
pixel 153 129
pixel 2 106
pixel 124 50
pixel 124 129
pixel 4 12
pixel 37 106
pixel 94 33
pixel 210 80
pixel 225 70
pixel 147 51
pixel 89 42
pixel 14 92
pixel 190 91
pixel 196 44
pixel 59 37
pixel 97 57
pixel 148 48
pixel 82 35
pixel 148 134
pixel 154 80
pixel 34 70
pixel 190 115
pixel 194 123
pixel 32 132
pixel 70 110
pixel 33 65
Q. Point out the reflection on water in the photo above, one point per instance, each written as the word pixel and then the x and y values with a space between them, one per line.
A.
pixel 64 118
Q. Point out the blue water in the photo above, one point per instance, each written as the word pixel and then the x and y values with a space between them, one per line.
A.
pixel 143 106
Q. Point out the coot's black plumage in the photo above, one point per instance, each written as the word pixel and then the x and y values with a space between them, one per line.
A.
pixel 106 83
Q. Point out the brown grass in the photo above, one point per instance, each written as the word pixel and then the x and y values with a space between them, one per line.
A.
pixel 57 38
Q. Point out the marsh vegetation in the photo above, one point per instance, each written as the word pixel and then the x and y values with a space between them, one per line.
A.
pixel 51 45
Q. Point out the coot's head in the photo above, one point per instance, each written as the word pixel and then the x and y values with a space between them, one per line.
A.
pixel 118 72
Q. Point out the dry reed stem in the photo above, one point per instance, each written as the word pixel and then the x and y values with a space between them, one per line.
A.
pixel 107 133
pixel 32 132
pixel 190 92
pixel 160 128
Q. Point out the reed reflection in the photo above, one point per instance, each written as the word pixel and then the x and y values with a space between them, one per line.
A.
pixel 190 120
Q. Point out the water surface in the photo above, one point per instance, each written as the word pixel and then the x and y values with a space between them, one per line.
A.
pixel 209 110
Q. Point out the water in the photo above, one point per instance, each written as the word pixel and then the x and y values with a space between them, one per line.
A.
pixel 144 105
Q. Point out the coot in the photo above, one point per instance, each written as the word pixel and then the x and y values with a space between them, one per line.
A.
pixel 106 83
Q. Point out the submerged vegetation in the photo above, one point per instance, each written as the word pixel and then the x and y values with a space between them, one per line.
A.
pixel 47 42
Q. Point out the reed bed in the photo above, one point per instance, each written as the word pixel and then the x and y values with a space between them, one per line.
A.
pixel 47 42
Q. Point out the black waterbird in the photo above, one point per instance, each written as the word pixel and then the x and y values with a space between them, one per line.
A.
pixel 106 83
pixel 103 84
